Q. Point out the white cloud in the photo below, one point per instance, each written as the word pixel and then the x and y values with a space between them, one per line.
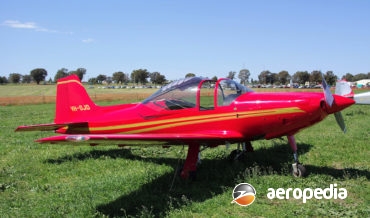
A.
pixel 19 25
pixel 29 25
pixel 88 40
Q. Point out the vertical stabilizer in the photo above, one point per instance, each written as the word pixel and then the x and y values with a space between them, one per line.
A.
pixel 73 104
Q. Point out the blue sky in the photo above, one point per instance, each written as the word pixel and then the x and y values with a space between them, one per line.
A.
pixel 208 38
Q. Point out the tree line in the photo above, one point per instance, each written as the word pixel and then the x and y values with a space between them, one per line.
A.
pixel 39 74
pixel 137 76
pixel 143 76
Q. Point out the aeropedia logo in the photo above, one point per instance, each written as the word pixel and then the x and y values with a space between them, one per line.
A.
pixel 244 194
pixel 332 192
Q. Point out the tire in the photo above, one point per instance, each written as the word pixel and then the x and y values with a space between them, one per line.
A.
pixel 301 171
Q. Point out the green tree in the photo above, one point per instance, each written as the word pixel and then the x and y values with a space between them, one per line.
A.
pixel 244 76
pixel 26 79
pixel 359 76
pixel 80 72
pixel 274 78
pixel 140 76
pixel 100 78
pixel 348 77
pixel 109 80
pixel 93 81
pixel 283 77
pixel 61 73
pixel 3 80
pixel 301 77
pixel 119 77
pixel 315 77
pixel 15 77
pixel 266 77
pixel 157 78
pixel 330 78
pixel 189 75
pixel 39 75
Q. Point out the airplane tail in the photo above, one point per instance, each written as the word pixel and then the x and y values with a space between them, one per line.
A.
pixel 73 104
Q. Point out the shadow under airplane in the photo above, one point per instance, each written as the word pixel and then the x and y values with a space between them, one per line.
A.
pixel 214 177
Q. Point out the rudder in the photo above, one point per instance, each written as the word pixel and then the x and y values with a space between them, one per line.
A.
pixel 73 104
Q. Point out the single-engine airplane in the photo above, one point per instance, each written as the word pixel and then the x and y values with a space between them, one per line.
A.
pixel 193 111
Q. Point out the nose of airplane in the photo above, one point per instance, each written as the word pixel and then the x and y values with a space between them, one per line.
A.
pixel 339 104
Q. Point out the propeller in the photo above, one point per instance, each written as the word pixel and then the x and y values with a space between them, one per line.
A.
pixel 340 121
pixel 329 99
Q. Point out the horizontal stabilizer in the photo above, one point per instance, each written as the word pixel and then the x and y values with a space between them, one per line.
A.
pixel 362 98
pixel 47 127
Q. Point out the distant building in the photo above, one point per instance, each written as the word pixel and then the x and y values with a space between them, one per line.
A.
pixel 362 83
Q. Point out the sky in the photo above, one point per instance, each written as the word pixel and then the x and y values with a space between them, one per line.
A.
pixel 207 38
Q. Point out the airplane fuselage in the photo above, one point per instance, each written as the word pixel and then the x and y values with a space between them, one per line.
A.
pixel 253 115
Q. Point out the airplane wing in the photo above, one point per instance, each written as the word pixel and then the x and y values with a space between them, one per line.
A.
pixel 362 98
pixel 209 137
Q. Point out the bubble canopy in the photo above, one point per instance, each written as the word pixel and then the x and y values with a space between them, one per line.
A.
pixel 189 92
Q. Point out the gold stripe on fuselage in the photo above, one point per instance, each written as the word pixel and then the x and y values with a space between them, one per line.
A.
pixel 183 121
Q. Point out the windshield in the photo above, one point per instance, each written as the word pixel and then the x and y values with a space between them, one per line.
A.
pixel 176 95
pixel 182 94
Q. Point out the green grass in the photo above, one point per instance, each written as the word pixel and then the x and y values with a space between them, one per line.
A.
pixel 70 181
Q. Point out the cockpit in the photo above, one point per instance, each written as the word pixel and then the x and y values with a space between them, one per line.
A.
pixel 197 92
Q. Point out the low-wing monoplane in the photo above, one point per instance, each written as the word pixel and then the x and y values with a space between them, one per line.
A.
pixel 193 111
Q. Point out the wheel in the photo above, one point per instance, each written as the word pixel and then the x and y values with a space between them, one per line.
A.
pixel 301 171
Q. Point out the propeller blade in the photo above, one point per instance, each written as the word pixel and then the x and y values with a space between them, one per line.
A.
pixel 340 121
pixel 329 99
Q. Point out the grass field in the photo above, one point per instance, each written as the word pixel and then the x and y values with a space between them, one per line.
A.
pixel 41 94
pixel 70 181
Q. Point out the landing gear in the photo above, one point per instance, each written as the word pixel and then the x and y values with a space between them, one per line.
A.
pixel 298 169
pixel 192 158
pixel 239 155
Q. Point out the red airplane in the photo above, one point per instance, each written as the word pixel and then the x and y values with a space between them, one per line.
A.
pixel 193 111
